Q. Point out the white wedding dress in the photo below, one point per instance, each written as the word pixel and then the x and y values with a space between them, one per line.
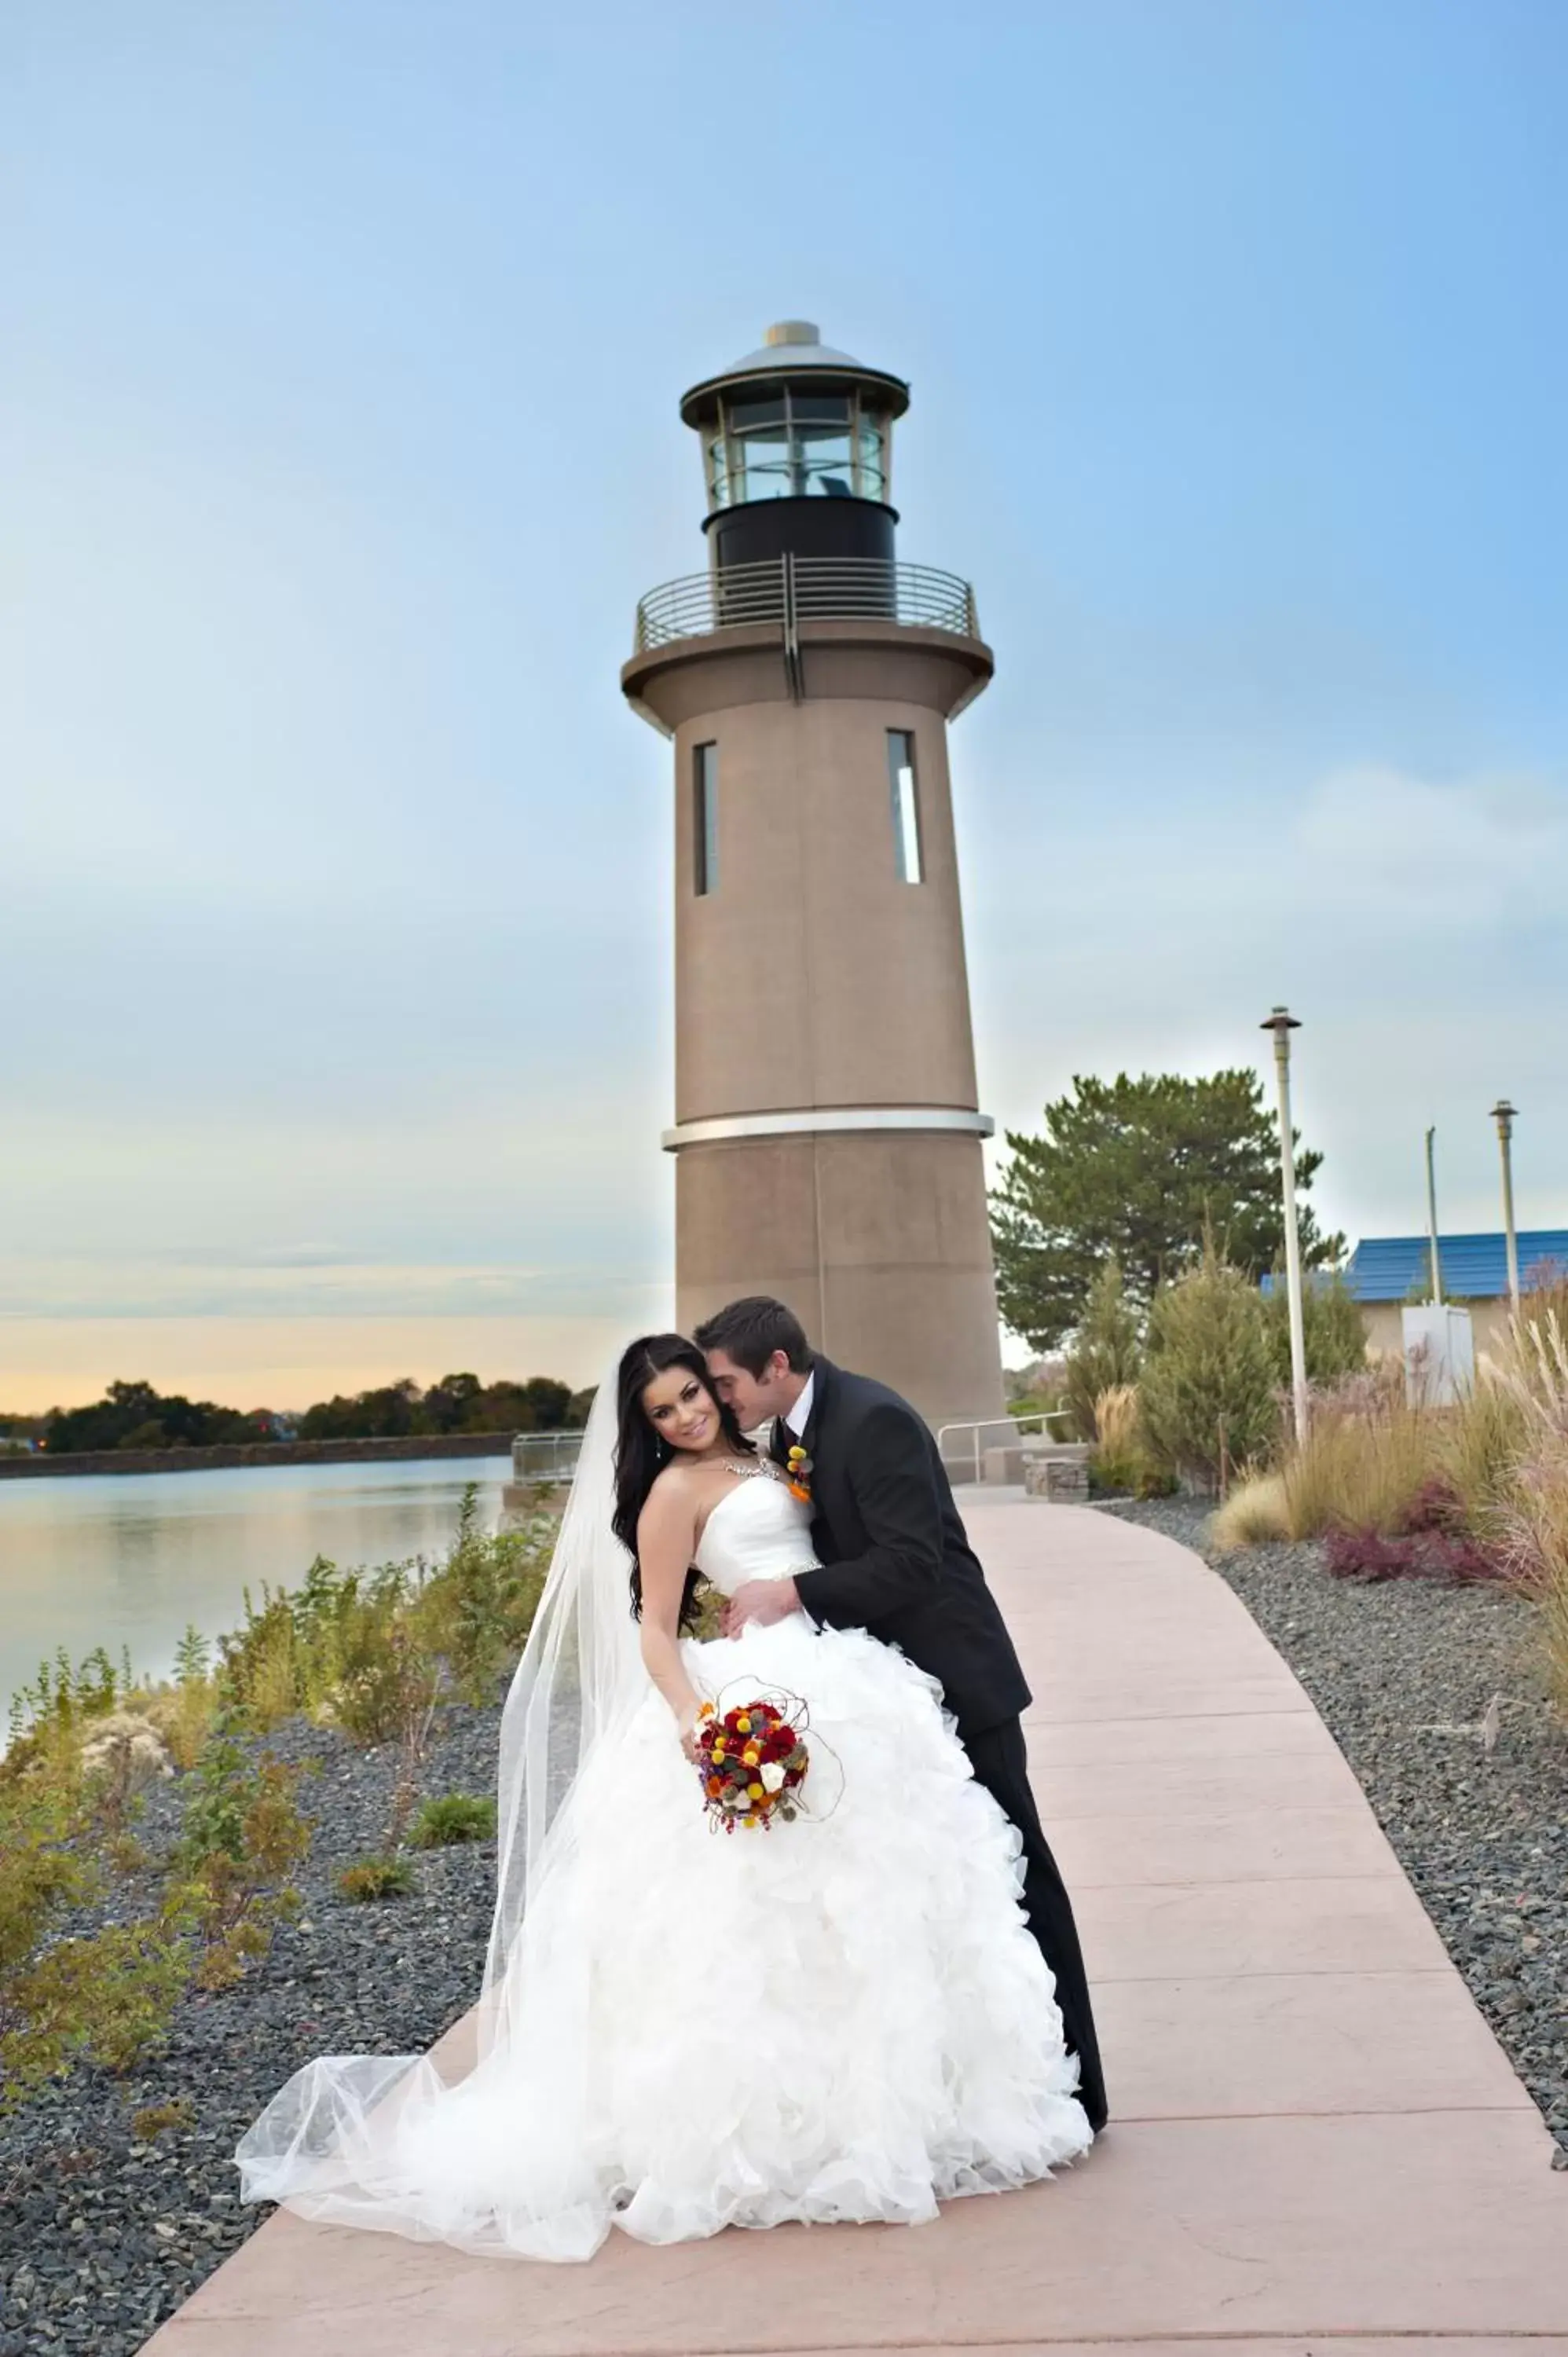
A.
pixel 840 2019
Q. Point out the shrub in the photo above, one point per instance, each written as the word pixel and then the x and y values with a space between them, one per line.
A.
pixel 385 1682
pixel 108 1997
pixel 1427 1553
pixel 61 1698
pixel 1120 1463
pixel 325 1648
pixel 1105 1354
pixel 125 1751
pixel 1333 1335
pixel 475 1609
pixel 376 1878
pixel 183 1713
pixel 42 1816
pixel 243 1834
pixel 368 1650
pixel 453 1817
pixel 1207 1388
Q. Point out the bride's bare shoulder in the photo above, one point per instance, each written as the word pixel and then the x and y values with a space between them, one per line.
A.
pixel 676 1491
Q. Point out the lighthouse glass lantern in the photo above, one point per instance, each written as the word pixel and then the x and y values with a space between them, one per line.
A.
pixel 792 421
pixel 802 444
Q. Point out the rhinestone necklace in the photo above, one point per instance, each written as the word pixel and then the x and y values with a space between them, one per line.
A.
pixel 758 1469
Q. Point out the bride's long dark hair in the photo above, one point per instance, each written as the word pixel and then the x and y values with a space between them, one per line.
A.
pixel 641 1454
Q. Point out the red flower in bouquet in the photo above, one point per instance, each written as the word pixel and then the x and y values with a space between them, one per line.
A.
pixel 753 1760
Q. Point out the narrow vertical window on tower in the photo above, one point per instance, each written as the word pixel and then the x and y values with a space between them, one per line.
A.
pixel 705 819
pixel 905 805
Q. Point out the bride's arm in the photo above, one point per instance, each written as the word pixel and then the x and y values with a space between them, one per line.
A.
pixel 666 1542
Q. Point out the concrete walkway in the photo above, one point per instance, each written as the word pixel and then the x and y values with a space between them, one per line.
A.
pixel 1316 2143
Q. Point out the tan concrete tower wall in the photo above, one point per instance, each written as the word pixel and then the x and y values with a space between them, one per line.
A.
pixel 812 977
pixel 878 1243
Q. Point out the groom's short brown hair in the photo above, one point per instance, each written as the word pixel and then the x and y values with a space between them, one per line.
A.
pixel 749 1331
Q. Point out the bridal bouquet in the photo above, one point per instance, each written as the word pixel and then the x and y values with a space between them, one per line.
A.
pixel 752 1762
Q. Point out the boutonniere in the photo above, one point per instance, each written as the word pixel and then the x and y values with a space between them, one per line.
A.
pixel 799 1471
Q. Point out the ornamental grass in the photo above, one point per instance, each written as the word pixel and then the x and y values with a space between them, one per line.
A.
pixel 1369 1454
pixel 1256 1512
pixel 1533 1515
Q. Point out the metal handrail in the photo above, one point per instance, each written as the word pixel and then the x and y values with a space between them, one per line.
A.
pixel 1042 1415
pixel 815 588
pixel 544 1456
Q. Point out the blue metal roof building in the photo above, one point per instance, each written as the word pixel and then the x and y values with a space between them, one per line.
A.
pixel 1475 1268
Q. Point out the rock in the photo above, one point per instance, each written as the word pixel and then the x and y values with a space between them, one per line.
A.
pixel 1060 1475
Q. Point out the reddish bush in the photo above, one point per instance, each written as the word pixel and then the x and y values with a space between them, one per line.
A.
pixel 1435 1507
pixel 1429 1551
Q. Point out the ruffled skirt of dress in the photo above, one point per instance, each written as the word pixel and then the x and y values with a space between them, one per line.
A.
pixel 842 2019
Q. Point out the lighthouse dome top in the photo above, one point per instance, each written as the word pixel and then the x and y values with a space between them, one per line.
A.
pixel 793 351
pixel 795 343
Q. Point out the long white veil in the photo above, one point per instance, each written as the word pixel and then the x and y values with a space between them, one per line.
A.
pixel 580 1679
pixel 383 2140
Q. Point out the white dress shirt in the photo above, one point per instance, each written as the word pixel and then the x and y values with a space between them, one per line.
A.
pixel 800 1413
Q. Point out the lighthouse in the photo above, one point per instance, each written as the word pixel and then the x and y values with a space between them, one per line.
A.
pixel 827 1131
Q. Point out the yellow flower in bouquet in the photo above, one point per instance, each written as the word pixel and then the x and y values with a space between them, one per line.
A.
pixel 752 1763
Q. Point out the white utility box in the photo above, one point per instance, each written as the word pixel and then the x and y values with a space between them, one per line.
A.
pixel 1439 1354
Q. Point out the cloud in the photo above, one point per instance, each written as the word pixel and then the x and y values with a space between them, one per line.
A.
pixel 1472 852
pixel 165 1284
pixel 1413 924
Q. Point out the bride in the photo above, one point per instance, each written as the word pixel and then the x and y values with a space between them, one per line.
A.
pixel 838 2018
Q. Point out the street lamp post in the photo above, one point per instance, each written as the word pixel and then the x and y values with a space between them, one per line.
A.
pixel 1504 1115
pixel 1431 1250
pixel 1281 1023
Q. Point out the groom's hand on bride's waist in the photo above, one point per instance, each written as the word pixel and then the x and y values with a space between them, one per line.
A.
pixel 762 1600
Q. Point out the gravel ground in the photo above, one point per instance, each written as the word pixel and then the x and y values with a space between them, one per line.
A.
pixel 1403 1673
pixel 102 2237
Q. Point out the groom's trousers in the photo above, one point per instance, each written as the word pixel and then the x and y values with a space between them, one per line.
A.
pixel 1000 1763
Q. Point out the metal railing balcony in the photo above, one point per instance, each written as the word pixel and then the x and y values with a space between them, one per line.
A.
pixel 545 1456
pixel 793 589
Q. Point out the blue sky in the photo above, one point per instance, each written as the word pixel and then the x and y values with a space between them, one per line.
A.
pixel 338 434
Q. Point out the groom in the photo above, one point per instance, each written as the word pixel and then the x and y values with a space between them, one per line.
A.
pixel 896 1562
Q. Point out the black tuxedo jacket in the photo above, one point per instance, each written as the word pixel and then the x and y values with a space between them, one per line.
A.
pixel 894 1556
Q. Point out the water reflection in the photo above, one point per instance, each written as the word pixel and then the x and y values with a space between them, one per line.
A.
pixel 130 1559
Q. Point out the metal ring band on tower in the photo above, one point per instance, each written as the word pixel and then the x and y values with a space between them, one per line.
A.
pixel 827 1121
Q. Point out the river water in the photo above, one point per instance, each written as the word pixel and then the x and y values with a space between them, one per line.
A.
pixel 117 1559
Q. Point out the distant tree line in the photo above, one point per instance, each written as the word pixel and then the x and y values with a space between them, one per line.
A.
pixel 456 1404
pixel 135 1415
